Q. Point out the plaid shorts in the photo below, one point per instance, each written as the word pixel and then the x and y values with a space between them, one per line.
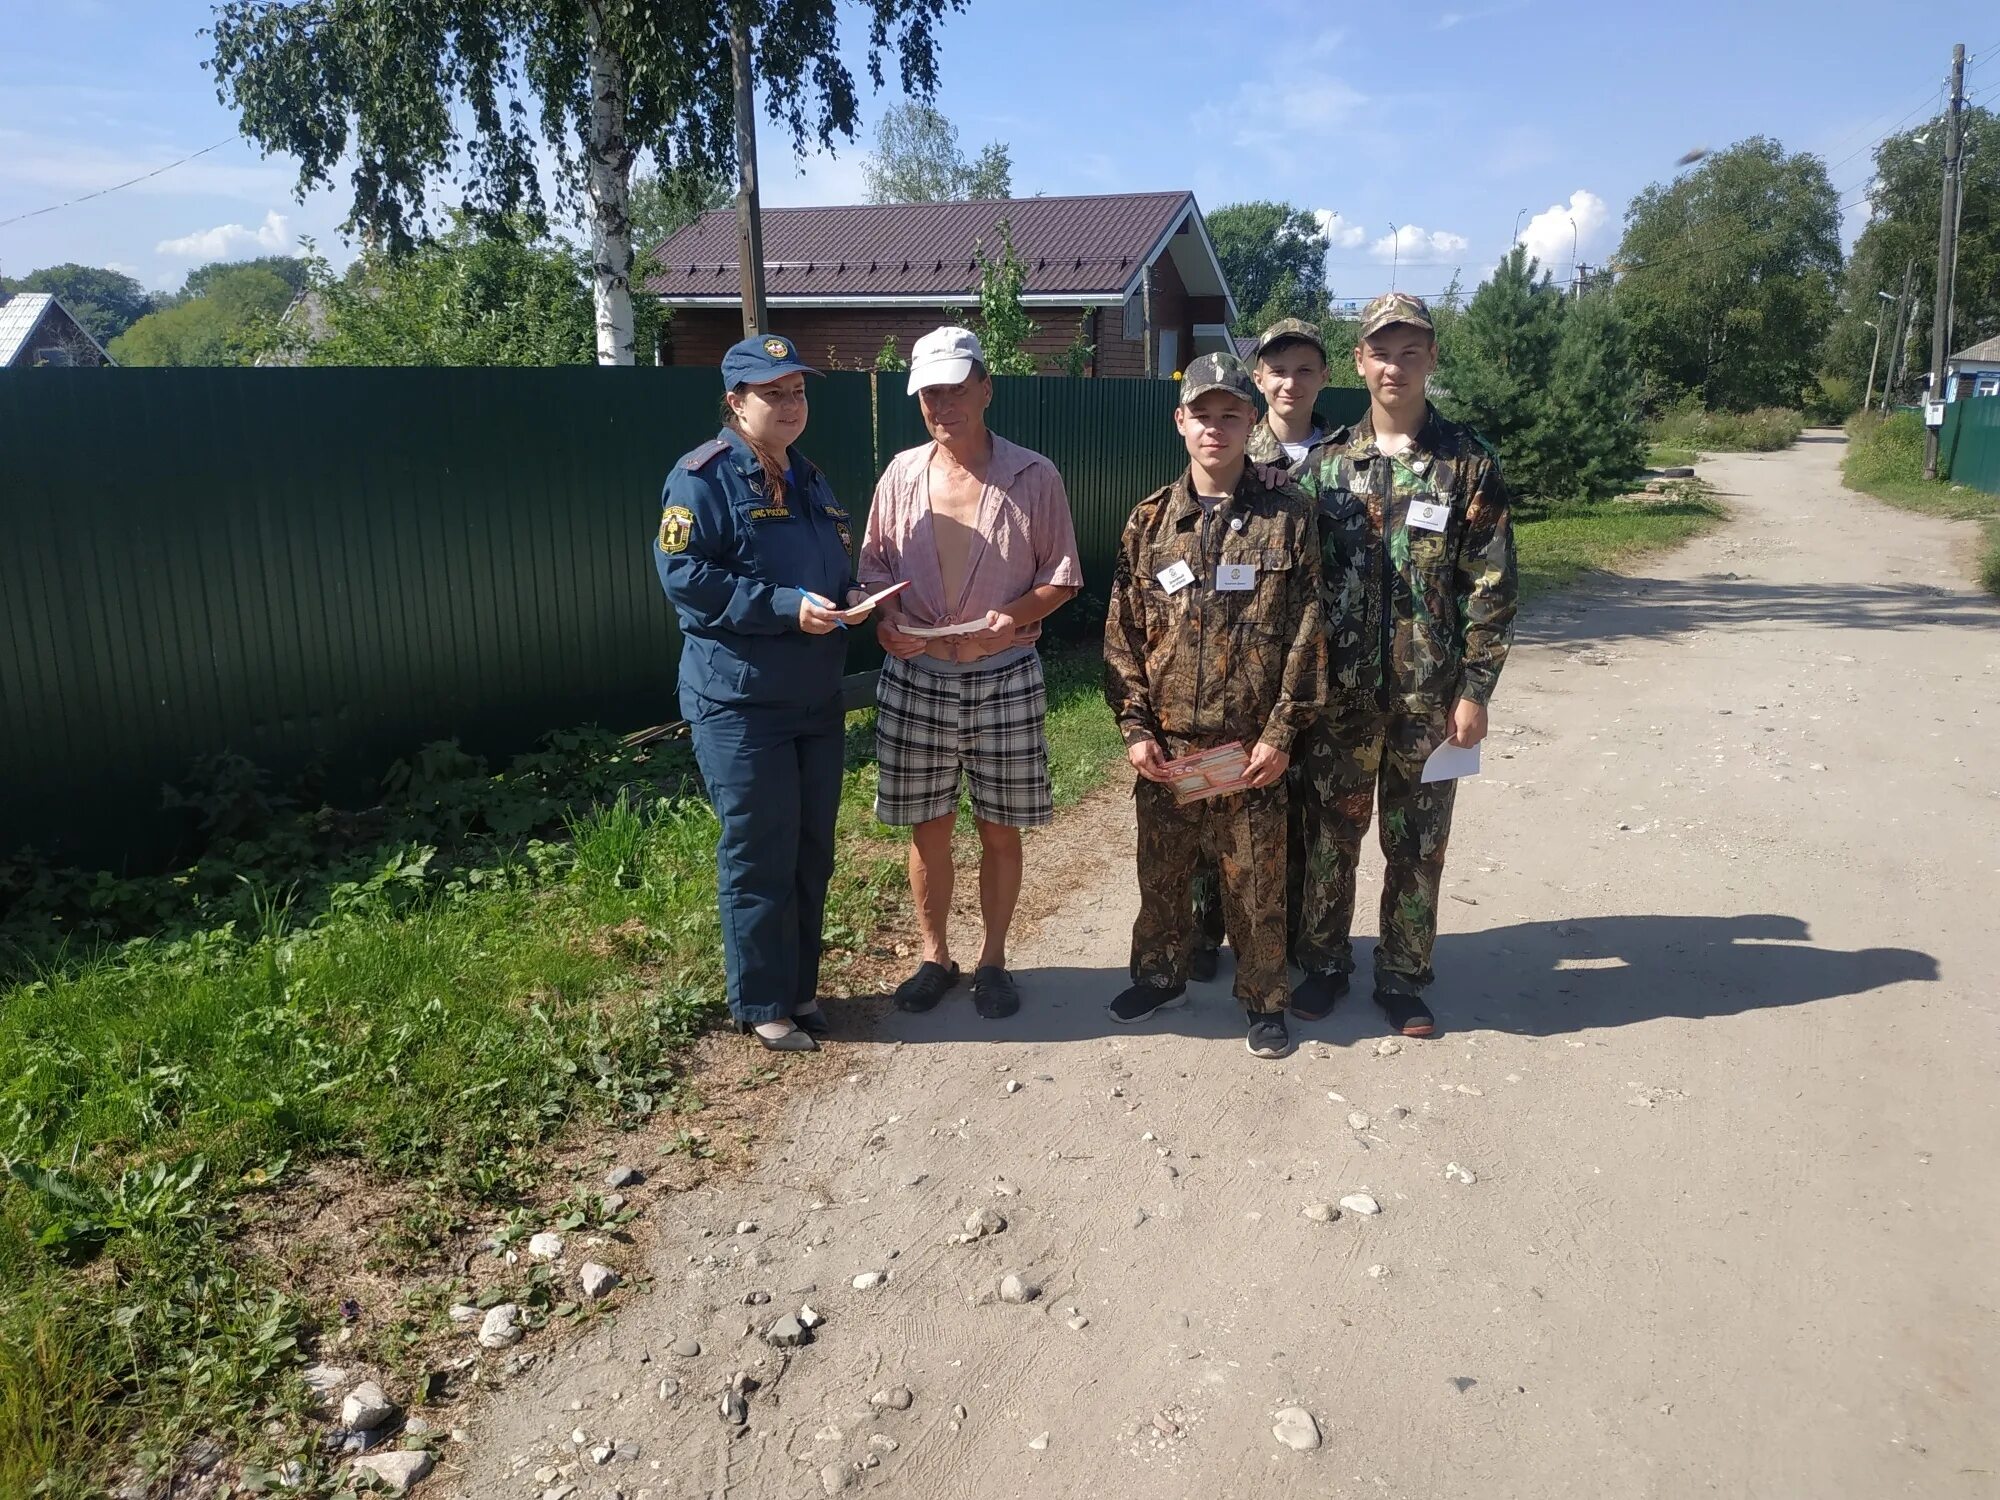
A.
pixel 931 725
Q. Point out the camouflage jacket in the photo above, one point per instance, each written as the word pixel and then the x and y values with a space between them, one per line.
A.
pixel 1450 589
pixel 1263 448
pixel 1192 665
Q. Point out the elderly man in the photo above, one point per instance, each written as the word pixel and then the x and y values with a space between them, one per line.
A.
pixel 980 531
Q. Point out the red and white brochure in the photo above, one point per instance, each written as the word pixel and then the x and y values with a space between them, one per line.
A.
pixel 1209 773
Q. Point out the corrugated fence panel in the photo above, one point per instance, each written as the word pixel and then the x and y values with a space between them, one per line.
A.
pixel 1974 442
pixel 330 567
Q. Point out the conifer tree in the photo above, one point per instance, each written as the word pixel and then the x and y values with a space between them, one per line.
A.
pixel 1498 366
pixel 1597 443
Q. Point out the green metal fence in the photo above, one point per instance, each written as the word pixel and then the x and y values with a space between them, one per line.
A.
pixel 1970 443
pixel 328 568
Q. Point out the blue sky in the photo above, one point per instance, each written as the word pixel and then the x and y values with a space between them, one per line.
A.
pixel 1444 118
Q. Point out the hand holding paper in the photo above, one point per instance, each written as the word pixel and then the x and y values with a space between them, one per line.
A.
pixel 1449 762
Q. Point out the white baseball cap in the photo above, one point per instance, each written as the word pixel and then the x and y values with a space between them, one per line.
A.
pixel 944 356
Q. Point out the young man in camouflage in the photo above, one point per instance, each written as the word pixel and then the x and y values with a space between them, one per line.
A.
pixel 1417 559
pixel 1289 367
pixel 1214 635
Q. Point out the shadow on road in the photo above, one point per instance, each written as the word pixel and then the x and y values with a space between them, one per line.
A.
pixel 1533 978
pixel 1638 608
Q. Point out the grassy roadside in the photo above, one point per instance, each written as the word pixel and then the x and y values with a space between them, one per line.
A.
pixel 440 1035
pixel 1885 459
pixel 1560 545
pixel 440 1024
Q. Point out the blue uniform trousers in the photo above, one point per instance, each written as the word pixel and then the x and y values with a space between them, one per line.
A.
pixel 773 775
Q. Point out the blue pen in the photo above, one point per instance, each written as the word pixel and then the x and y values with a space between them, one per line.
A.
pixel 825 604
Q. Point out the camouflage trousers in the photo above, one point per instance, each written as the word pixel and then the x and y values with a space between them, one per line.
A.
pixel 1344 762
pixel 1242 838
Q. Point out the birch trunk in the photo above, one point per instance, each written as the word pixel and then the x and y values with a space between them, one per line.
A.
pixel 608 165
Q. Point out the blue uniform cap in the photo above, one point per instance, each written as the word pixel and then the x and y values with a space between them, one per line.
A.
pixel 762 357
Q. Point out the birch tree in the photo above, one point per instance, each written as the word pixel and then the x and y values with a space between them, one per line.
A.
pixel 412 97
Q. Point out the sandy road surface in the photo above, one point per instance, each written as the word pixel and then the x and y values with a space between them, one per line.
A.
pixel 1720 1048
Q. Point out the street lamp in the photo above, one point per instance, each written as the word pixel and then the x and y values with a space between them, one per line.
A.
pixel 1395 255
pixel 1517 228
pixel 1572 253
pixel 1869 396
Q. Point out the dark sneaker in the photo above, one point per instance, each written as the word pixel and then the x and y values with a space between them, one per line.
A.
pixel 1268 1036
pixel 1203 962
pixel 812 1022
pixel 1142 1000
pixel 923 989
pixel 993 992
pixel 1314 999
pixel 1408 1015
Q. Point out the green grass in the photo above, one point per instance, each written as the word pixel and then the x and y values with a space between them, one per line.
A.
pixel 1765 430
pixel 1560 544
pixel 1664 456
pixel 1885 459
pixel 443 1042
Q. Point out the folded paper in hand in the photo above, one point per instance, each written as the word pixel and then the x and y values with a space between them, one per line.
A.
pixel 1449 762
pixel 932 632
pixel 1209 773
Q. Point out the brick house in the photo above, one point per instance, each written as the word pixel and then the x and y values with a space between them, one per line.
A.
pixel 36 329
pixel 1132 274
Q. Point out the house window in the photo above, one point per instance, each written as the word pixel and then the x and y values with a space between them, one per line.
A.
pixel 1170 352
pixel 1987 385
pixel 52 357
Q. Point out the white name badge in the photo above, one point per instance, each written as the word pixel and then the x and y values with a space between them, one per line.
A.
pixel 1427 515
pixel 1176 578
pixel 1236 577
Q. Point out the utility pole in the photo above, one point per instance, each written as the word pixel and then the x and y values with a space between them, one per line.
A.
pixel 1896 344
pixel 1947 236
pixel 749 218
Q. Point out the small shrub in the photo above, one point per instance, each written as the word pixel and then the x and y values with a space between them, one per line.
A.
pixel 1832 400
pixel 1884 449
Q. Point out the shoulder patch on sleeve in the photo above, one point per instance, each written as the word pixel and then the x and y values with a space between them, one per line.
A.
pixel 706 454
pixel 676 529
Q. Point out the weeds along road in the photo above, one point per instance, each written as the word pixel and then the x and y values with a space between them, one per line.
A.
pixel 1694 1194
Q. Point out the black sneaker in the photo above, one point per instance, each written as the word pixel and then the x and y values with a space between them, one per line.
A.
pixel 1268 1036
pixel 1408 1015
pixel 1316 994
pixel 1142 1000
pixel 1203 962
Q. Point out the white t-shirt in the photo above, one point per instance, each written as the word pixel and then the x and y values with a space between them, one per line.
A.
pixel 1295 452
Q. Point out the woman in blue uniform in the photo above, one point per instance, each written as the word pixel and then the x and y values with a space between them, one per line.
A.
pixel 753 550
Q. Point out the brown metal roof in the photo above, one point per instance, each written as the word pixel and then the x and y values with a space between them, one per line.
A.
pixel 1083 247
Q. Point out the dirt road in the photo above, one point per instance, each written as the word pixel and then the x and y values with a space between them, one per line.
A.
pixel 1695 1194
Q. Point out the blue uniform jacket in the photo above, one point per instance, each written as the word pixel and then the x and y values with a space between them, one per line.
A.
pixel 735 563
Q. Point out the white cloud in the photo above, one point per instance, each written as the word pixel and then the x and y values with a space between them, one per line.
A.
pixel 122 268
pixel 1411 243
pixel 1548 235
pixel 1340 234
pixel 227 240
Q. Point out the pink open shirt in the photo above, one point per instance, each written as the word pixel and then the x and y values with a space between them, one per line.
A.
pixel 1024 539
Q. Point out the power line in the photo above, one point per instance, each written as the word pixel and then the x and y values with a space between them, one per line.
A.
pixel 101 192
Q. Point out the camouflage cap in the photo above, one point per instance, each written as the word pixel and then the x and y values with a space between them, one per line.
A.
pixel 1217 372
pixel 1290 328
pixel 1395 307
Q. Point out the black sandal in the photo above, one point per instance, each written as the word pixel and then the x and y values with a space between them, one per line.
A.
pixel 993 993
pixel 923 989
